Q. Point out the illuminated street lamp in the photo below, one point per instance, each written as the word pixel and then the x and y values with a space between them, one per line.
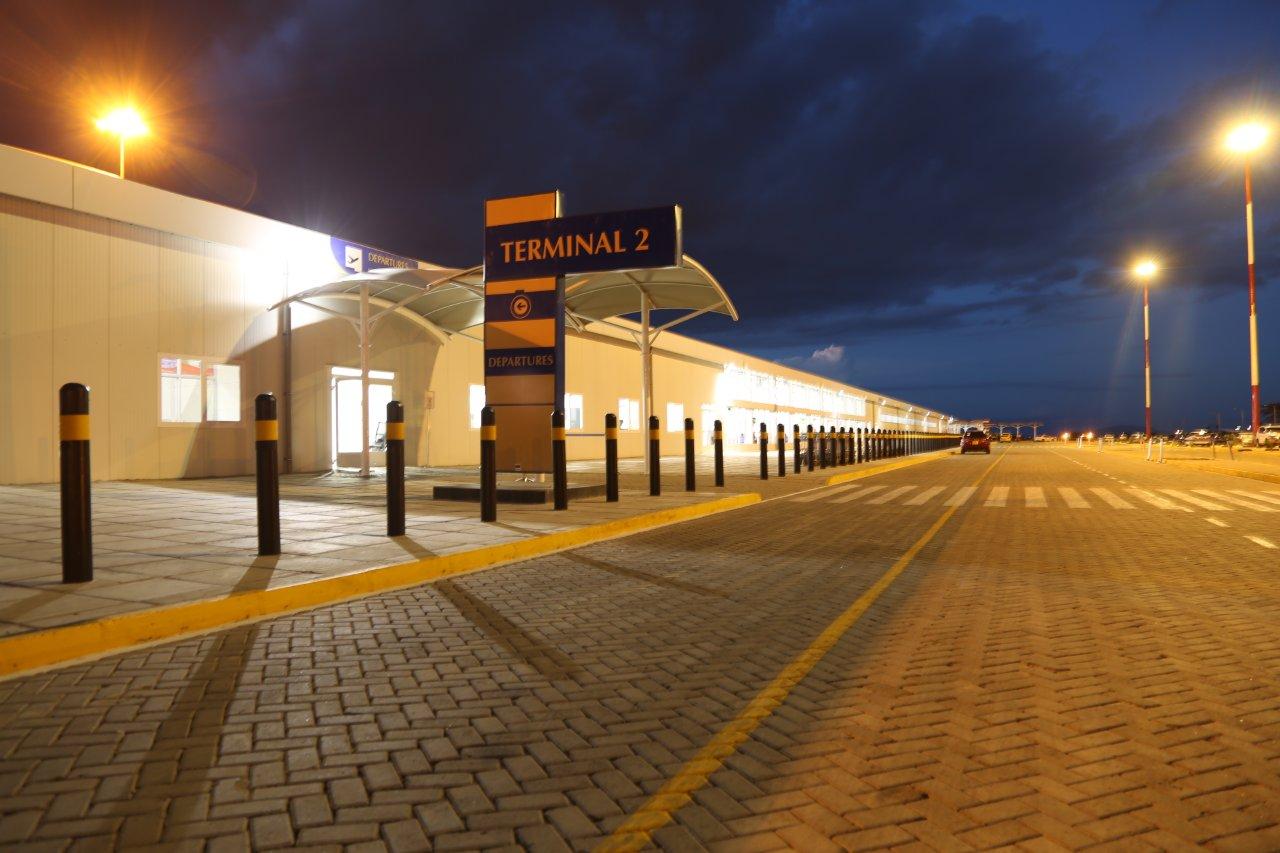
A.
pixel 1244 140
pixel 1144 271
pixel 125 123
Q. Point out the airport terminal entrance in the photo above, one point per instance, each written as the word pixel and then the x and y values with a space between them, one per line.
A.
pixel 346 435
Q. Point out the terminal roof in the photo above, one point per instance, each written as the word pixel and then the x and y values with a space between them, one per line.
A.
pixel 451 300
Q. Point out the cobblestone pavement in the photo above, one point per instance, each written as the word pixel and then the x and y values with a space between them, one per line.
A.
pixel 168 542
pixel 1051 670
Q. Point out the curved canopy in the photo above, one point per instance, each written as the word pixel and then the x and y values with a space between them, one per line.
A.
pixel 451 300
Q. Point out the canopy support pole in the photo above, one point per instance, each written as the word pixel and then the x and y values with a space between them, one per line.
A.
pixel 364 380
pixel 646 390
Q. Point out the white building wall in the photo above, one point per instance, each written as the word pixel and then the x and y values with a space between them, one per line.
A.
pixel 100 277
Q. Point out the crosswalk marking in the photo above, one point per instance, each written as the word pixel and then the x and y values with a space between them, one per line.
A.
pixel 925 496
pixel 1072 497
pixel 1157 501
pixel 1218 496
pixel 1195 501
pixel 1258 540
pixel 1041 497
pixel 861 493
pixel 1257 496
pixel 822 494
pixel 1112 499
pixel 891 494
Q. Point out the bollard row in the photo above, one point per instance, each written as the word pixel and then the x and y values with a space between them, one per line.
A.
pixel 828 447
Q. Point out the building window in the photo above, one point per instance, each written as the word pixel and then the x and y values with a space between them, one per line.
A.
pixel 194 390
pixel 675 417
pixel 475 402
pixel 628 413
pixel 222 392
pixel 573 411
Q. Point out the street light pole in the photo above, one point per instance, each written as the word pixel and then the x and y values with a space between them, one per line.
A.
pixel 1144 271
pixel 124 122
pixel 1245 140
pixel 1146 347
pixel 1255 398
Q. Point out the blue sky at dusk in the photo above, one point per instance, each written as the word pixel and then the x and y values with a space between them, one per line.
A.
pixel 936 200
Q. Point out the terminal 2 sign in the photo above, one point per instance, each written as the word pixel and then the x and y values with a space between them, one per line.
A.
pixel 529 249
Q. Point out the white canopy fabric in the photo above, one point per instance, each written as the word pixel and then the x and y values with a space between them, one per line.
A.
pixel 452 300
pixel 449 301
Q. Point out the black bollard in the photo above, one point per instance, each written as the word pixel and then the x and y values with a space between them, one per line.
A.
pixel 844 448
pixel 764 451
pixel 822 447
pixel 395 468
pixel 611 458
pixel 488 464
pixel 559 461
pixel 857 446
pixel 655 465
pixel 73 448
pixel 690 476
pixel 809 446
pixel 795 448
pixel 267 434
pixel 782 451
pixel 717 438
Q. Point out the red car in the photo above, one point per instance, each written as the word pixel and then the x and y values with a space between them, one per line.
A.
pixel 976 441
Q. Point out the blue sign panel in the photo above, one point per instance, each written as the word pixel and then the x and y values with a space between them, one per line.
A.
pixel 596 242
pixel 357 257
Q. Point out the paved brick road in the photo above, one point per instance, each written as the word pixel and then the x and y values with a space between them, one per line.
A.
pixel 1085 653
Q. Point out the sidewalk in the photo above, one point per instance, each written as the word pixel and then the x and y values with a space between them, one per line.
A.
pixel 170 542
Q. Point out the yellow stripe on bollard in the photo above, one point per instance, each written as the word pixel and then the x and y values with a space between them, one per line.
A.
pixel 73 427
pixel 267 430
pixel 719 436
pixel 653 433
pixel 557 433
pixel 688 433
pixel 488 433
pixel 611 433
pixel 395 431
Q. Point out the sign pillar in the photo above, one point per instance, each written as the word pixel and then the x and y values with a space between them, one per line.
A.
pixel 646 361
pixel 523 346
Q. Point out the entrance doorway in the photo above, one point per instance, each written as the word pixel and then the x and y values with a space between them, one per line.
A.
pixel 345 416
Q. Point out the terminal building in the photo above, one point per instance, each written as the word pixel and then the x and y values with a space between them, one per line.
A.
pixel 176 312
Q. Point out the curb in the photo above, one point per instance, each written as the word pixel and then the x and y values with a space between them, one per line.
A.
pixel 850 476
pixel 72 643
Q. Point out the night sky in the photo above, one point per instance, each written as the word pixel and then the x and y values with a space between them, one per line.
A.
pixel 938 200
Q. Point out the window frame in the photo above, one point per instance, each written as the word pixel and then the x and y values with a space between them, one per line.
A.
pixel 204 360
pixel 568 411
pixel 474 423
pixel 675 424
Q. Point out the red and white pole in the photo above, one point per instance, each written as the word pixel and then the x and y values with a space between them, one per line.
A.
pixel 1253 307
pixel 1146 348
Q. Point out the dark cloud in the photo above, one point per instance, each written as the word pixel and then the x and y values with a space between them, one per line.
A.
pixel 854 172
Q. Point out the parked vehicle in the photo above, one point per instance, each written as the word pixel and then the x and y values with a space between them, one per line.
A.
pixel 975 441
pixel 1199 438
pixel 1268 438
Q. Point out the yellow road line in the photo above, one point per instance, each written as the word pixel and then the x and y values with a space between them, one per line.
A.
pixel 23 653
pixel 659 810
